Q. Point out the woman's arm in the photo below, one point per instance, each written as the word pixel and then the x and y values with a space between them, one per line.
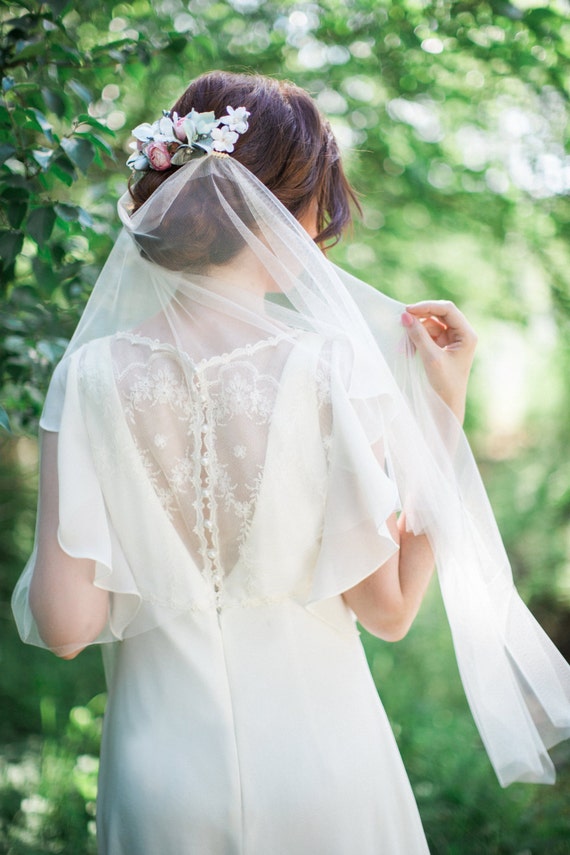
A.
pixel 387 602
pixel 69 610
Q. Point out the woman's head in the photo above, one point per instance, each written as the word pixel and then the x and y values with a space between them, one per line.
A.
pixel 289 147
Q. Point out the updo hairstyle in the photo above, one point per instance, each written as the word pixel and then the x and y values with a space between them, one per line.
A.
pixel 289 147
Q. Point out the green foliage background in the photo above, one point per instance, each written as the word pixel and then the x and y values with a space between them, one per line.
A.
pixel 453 117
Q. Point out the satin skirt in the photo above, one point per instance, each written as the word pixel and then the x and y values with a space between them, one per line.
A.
pixel 256 731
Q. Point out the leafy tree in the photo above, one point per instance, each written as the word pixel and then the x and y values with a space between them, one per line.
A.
pixel 458 109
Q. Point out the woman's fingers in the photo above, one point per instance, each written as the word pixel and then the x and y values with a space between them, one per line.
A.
pixel 447 314
pixel 443 309
pixel 420 336
pixel 437 330
pixel 446 343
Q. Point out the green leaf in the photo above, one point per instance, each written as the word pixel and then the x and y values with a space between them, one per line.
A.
pixel 16 211
pixel 85 219
pixel 80 90
pixel 4 420
pixel 112 48
pixel 54 102
pixel 74 214
pixel 177 44
pixel 40 224
pixel 6 151
pixel 206 44
pixel 44 275
pixel 29 49
pixel 15 344
pixel 25 87
pixel 96 140
pixel 85 119
pixel 10 245
pixel 79 151
pixel 63 170
pixel 37 118
pixel 43 157
pixel 18 193
pixel 69 213
pixel 58 6
pixel 50 350
pixel 66 55
pixel 19 181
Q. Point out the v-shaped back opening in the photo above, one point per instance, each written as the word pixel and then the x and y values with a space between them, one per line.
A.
pixel 202 431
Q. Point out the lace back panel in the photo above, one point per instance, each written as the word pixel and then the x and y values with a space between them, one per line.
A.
pixel 201 429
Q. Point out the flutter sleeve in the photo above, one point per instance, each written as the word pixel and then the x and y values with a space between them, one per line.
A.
pixel 360 495
pixel 107 512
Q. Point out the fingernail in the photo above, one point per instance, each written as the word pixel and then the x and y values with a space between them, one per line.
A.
pixel 407 319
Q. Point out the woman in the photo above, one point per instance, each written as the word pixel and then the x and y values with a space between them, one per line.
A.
pixel 239 454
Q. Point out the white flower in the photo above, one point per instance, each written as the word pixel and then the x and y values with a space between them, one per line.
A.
pixel 160 131
pixel 236 119
pixel 143 132
pixel 138 161
pixel 240 451
pixel 160 440
pixel 164 130
pixel 224 139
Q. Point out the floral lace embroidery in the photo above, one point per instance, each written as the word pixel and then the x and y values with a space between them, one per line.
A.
pixel 201 430
pixel 156 344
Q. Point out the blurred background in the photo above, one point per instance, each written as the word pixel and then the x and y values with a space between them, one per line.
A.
pixel 453 119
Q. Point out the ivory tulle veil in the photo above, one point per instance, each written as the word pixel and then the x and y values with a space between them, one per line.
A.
pixel 211 266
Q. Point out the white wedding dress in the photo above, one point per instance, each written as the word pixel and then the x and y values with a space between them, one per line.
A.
pixel 248 723
pixel 236 422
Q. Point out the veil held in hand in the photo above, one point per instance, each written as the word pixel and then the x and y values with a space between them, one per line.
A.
pixel 219 289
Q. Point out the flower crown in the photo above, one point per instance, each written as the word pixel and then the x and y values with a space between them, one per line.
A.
pixel 174 140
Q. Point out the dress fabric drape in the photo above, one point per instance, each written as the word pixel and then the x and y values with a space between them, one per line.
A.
pixel 249 724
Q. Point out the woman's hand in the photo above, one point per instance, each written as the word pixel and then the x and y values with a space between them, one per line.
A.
pixel 446 343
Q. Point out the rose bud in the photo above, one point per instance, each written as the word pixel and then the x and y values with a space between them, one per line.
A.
pixel 158 155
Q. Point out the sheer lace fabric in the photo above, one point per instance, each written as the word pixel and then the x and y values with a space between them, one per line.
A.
pixel 201 429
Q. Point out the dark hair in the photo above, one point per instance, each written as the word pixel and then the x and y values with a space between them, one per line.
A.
pixel 289 146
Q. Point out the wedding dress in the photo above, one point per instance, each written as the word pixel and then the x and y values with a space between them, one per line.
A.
pixel 232 440
pixel 249 724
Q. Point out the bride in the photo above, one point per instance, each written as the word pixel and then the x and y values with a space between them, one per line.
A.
pixel 242 450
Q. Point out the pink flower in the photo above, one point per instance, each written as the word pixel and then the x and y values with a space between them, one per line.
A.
pixel 158 155
pixel 179 128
